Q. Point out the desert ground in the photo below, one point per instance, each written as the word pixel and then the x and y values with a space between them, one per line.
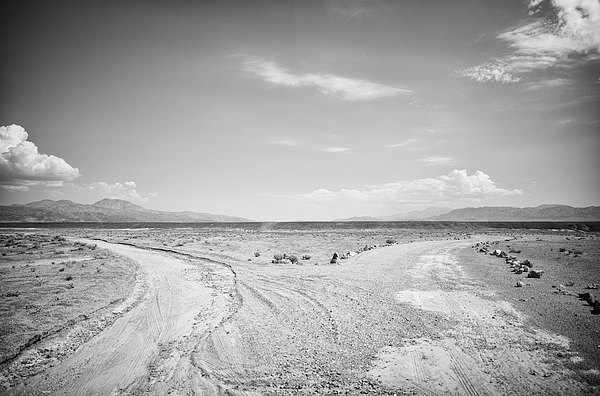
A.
pixel 224 311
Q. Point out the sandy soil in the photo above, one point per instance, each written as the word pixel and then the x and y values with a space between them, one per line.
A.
pixel 428 315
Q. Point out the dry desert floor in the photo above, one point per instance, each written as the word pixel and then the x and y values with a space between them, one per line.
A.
pixel 196 311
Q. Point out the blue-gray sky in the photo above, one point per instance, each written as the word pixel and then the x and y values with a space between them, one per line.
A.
pixel 283 110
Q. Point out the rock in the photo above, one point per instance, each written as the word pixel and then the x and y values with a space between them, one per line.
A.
pixel 596 309
pixel 586 297
pixel 535 274
pixel 520 284
pixel 527 263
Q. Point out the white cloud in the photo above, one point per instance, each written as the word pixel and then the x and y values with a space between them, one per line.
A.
pixel 456 185
pixel 21 163
pixel 402 144
pixel 9 187
pixel 557 82
pixel 569 36
pixel 488 72
pixel 440 161
pixel 328 84
pixel 126 191
pixel 286 142
pixel 336 149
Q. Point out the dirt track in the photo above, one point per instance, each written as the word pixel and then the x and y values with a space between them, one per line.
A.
pixel 395 320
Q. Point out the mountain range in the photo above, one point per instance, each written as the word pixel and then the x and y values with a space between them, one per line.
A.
pixel 495 213
pixel 120 211
pixel 106 210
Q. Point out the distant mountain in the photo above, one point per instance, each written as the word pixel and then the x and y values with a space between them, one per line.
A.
pixel 414 215
pixel 418 214
pixel 538 213
pixel 106 210
pixel 359 218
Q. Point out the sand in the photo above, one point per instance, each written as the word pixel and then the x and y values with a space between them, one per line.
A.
pixel 209 313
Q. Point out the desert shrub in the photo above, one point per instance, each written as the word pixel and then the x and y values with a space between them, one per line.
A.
pixel 306 257
pixel 68 278
pixel 293 259
pixel 12 294
pixel 278 257
pixel 256 254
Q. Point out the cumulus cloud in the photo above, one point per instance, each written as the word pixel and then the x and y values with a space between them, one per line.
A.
pixel 456 185
pixel 342 87
pixel 21 163
pixel 564 32
pixel 440 160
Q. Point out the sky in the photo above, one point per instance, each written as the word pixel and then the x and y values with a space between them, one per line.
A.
pixel 280 110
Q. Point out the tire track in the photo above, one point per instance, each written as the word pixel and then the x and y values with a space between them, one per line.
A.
pixel 120 358
pixel 458 367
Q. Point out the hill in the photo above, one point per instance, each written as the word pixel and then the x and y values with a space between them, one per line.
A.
pixel 538 213
pixel 106 210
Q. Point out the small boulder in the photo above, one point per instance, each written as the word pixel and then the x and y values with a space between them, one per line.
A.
pixel 585 297
pixel 535 274
pixel 520 284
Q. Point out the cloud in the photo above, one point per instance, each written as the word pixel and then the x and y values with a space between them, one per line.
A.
pixel 457 185
pixel 348 10
pixel 336 149
pixel 342 87
pixel 440 161
pixel 126 191
pixel 557 82
pixel 13 188
pixel 567 34
pixel 402 144
pixel 21 164
pixel 488 72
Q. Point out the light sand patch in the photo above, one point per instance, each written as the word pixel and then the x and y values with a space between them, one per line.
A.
pixel 431 368
pixel 461 303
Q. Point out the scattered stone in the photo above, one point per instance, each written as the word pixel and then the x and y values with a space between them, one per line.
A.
pixel 596 309
pixel 587 297
pixel 535 274
pixel 520 284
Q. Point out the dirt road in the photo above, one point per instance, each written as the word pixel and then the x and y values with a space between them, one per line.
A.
pixel 403 319
pixel 179 302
